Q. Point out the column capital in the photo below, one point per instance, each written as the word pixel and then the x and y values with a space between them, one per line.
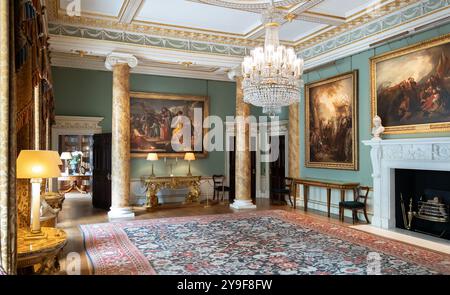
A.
pixel 116 58
pixel 234 73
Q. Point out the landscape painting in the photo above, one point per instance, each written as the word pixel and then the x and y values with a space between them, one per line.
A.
pixel 331 123
pixel 155 120
pixel 411 88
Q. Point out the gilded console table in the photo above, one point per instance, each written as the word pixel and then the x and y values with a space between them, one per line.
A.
pixel 155 184
pixel 75 183
pixel 327 184
pixel 40 256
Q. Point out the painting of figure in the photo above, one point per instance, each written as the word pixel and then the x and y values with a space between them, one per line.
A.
pixel 331 123
pixel 411 88
pixel 158 120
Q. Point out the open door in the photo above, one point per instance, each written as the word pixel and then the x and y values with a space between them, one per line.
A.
pixel 101 181
pixel 277 168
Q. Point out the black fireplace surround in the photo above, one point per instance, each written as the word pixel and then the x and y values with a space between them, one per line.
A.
pixel 425 184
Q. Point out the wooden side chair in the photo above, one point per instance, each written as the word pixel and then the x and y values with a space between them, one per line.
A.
pixel 219 187
pixel 358 204
pixel 284 189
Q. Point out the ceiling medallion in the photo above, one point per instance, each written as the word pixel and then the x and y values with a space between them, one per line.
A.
pixel 249 4
pixel 272 75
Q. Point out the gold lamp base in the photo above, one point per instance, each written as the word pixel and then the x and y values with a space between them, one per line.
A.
pixel 32 236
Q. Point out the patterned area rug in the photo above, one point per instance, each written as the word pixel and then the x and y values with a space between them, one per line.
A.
pixel 261 242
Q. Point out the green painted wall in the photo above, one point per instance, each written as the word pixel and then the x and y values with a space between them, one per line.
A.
pixel 360 62
pixel 88 93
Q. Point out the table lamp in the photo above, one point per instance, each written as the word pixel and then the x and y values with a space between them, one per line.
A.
pixel 152 157
pixel 66 156
pixel 189 157
pixel 36 165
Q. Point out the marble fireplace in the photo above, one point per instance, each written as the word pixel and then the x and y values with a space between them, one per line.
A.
pixel 390 156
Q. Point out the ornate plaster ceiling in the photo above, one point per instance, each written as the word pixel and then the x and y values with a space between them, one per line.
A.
pixel 212 33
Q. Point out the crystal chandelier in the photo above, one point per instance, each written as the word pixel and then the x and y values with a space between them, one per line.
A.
pixel 272 75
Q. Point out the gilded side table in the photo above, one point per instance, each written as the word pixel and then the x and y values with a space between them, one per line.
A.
pixel 155 184
pixel 75 183
pixel 40 256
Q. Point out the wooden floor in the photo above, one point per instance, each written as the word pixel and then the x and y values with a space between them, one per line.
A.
pixel 79 210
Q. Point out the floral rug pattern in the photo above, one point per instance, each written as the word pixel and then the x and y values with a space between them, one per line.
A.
pixel 251 243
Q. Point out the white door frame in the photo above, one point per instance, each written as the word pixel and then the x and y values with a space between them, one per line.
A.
pixel 73 125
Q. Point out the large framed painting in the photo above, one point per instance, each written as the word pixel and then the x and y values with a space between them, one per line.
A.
pixel 157 118
pixel 411 88
pixel 331 127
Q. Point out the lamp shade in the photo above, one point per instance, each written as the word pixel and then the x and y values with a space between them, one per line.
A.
pixel 38 164
pixel 152 157
pixel 189 157
pixel 66 156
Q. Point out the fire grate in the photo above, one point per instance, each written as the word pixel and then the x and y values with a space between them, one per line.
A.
pixel 432 210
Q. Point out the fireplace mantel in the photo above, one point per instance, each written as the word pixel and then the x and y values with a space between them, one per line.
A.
pixel 388 155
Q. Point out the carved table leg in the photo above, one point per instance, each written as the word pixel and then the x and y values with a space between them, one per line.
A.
pixel 79 188
pixel 194 194
pixel 152 198
pixel 69 189
pixel 328 201
pixel 305 197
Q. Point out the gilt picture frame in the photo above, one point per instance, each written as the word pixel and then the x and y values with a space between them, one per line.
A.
pixel 331 123
pixel 151 118
pixel 410 87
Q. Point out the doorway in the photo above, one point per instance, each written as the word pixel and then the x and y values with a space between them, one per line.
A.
pixel 261 171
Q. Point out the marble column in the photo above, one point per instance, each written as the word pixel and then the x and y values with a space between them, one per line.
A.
pixel 8 207
pixel 243 161
pixel 294 141
pixel 120 64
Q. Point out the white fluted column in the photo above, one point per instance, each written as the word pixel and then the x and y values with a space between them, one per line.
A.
pixel 120 64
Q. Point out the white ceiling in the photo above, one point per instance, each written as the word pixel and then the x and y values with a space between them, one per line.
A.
pixel 100 7
pixel 196 15
pixel 343 8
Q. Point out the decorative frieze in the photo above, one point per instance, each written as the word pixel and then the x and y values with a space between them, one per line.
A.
pixel 147 40
pixel 75 122
pixel 434 152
